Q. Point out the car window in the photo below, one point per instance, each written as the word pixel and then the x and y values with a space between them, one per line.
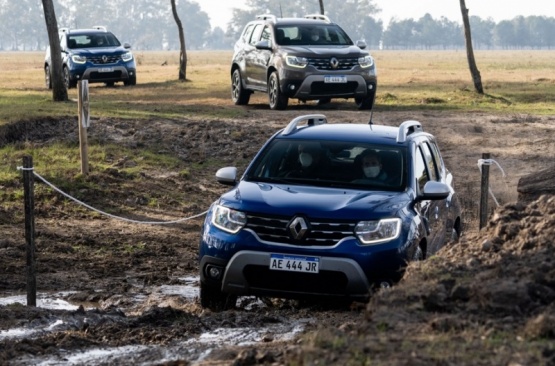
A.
pixel 326 34
pixel 266 34
pixel 437 157
pixel 429 161
pixel 247 33
pixel 255 37
pixel 420 171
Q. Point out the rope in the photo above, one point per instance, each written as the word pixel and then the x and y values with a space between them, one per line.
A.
pixel 491 162
pixel 108 214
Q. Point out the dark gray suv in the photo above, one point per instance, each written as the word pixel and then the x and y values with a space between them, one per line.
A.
pixel 306 58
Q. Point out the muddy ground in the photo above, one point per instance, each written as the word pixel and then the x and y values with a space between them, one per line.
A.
pixel 488 299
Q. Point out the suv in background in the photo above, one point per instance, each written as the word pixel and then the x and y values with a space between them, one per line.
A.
pixel 327 210
pixel 306 58
pixel 93 54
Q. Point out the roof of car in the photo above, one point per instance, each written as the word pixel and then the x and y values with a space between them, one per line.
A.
pixel 346 132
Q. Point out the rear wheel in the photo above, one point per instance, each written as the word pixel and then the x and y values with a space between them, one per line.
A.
pixel 239 95
pixel 47 77
pixel 276 99
pixel 214 299
pixel 418 254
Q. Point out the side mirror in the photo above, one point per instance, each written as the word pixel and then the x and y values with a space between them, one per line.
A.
pixel 361 44
pixel 126 45
pixel 263 45
pixel 227 176
pixel 435 191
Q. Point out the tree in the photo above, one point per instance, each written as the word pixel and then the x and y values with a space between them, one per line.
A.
pixel 322 7
pixel 183 51
pixel 476 78
pixel 59 91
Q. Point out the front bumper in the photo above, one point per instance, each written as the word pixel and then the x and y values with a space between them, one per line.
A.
pixel 102 74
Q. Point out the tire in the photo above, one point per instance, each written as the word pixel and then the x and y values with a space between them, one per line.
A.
pixel 239 95
pixel 276 99
pixel 47 77
pixel 418 254
pixel 454 236
pixel 212 298
pixel 366 103
pixel 131 81
pixel 67 79
pixel 109 84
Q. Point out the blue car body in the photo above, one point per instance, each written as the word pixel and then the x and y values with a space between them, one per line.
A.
pixel 316 222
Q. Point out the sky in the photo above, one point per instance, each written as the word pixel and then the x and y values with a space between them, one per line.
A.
pixel 220 11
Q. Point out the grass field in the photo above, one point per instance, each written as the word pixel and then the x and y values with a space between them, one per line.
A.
pixel 514 82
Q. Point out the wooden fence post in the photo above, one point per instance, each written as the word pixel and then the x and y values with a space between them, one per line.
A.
pixel 484 191
pixel 28 183
pixel 83 120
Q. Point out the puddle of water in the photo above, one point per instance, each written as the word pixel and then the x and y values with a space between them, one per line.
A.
pixel 46 301
pixel 25 332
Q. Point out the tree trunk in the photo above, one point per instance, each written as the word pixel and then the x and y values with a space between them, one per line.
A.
pixel 59 91
pixel 183 52
pixel 476 78
pixel 321 7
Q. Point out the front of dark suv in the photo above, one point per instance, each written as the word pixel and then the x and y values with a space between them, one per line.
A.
pixel 301 58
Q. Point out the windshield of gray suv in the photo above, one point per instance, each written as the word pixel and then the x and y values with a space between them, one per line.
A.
pixel 342 164
pixel 92 40
pixel 314 34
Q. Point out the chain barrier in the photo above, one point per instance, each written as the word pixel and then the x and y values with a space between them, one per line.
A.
pixel 488 162
pixel 108 214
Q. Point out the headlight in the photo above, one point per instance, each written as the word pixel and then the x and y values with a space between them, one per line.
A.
pixel 127 56
pixel 366 61
pixel 78 59
pixel 295 61
pixel 228 220
pixel 375 232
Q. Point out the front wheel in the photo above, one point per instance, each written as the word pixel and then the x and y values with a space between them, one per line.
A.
pixel 239 95
pixel 214 299
pixel 67 79
pixel 366 102
pixel 131 81
pixel 277 100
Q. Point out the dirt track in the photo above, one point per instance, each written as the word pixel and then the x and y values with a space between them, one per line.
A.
pixel 476 291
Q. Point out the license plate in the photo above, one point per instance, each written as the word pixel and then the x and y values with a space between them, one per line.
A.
pixel 106 69
pixel 335 79
pixel 294 263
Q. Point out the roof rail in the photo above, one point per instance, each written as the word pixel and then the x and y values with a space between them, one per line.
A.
pixel 100 27
pixel 271 17
pixel 311 120
pixel 318 17
pixel 406 128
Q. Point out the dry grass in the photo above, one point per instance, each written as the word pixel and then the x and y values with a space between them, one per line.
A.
pixel 514 81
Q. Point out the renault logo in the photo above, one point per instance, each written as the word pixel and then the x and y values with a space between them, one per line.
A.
pixel 104 58
pixel 298 228
pixel 334 63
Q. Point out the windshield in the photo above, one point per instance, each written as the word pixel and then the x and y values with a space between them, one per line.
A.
pixel 331 164
pixel 315 34
pixel 92 40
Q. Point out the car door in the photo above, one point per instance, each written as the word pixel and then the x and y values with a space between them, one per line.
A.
pixel 263 56
pixel 432 212
pixel 252 73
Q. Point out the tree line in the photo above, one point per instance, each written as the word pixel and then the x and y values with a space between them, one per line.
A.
pixel 149 25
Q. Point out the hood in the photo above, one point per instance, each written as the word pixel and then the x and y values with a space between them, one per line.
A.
pixel 337 51
pixel 98 51
pixel 321 202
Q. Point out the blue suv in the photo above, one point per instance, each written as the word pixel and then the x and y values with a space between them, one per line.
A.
pixel 93 54
pixel 331 210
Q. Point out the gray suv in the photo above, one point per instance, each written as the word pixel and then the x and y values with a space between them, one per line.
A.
pixel 307 58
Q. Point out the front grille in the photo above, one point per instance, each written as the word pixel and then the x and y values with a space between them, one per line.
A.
pixel 325 282
pixel 321 88
pixel 319 233
pixel 325 63
pixel 110 59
